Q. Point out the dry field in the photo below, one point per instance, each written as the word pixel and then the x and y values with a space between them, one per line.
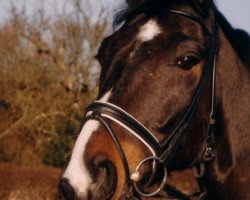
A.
pixel 28 183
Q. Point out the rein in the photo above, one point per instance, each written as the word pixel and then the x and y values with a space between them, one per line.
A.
pixel 162 153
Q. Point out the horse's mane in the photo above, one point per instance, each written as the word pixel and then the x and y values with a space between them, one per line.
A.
pixel 239 39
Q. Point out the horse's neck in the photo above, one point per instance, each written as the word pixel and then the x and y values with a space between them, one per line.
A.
pixel 229 171
pixel 234 96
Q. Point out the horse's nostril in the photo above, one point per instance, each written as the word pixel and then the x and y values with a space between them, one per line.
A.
pixel 105 180
pixel 66 190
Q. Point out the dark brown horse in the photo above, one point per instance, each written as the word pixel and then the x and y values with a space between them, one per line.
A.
pixel 174 95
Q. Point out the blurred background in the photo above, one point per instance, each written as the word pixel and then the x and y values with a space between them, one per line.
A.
pixel 48 75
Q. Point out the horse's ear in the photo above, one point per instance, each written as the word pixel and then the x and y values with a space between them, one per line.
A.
pixel 203 5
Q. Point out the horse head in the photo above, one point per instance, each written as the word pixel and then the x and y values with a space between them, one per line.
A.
pixel 155 106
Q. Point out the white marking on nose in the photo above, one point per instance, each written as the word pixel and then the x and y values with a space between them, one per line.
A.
pixel 106 96
pixel 77 172
pixel 149 30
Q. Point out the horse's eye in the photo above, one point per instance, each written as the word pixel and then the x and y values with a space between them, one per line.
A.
pixel 187 62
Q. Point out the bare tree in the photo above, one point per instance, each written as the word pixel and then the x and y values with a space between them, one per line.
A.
pixel 46 80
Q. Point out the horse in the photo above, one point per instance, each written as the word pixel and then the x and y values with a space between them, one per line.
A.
pixel 29 183
pixel 174 95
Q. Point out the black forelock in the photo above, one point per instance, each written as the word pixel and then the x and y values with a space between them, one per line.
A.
pixel 153 7
pixel 150 7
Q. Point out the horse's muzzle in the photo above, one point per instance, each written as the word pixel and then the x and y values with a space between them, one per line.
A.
pixel 103 186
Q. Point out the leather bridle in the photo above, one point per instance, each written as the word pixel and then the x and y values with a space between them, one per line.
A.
pixel 162 153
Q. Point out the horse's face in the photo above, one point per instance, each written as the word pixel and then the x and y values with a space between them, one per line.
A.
pixel 151 68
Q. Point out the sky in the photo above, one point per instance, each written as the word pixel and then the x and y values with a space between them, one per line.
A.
pixel 236 11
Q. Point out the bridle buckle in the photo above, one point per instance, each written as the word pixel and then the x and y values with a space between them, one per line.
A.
pixel 211 121
pixel 209 154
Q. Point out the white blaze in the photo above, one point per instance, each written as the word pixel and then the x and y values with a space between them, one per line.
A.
pixel 106 96
pixel 148 31
pixel 76 172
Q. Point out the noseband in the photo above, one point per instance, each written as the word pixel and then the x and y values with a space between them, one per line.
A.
pixel 163 152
